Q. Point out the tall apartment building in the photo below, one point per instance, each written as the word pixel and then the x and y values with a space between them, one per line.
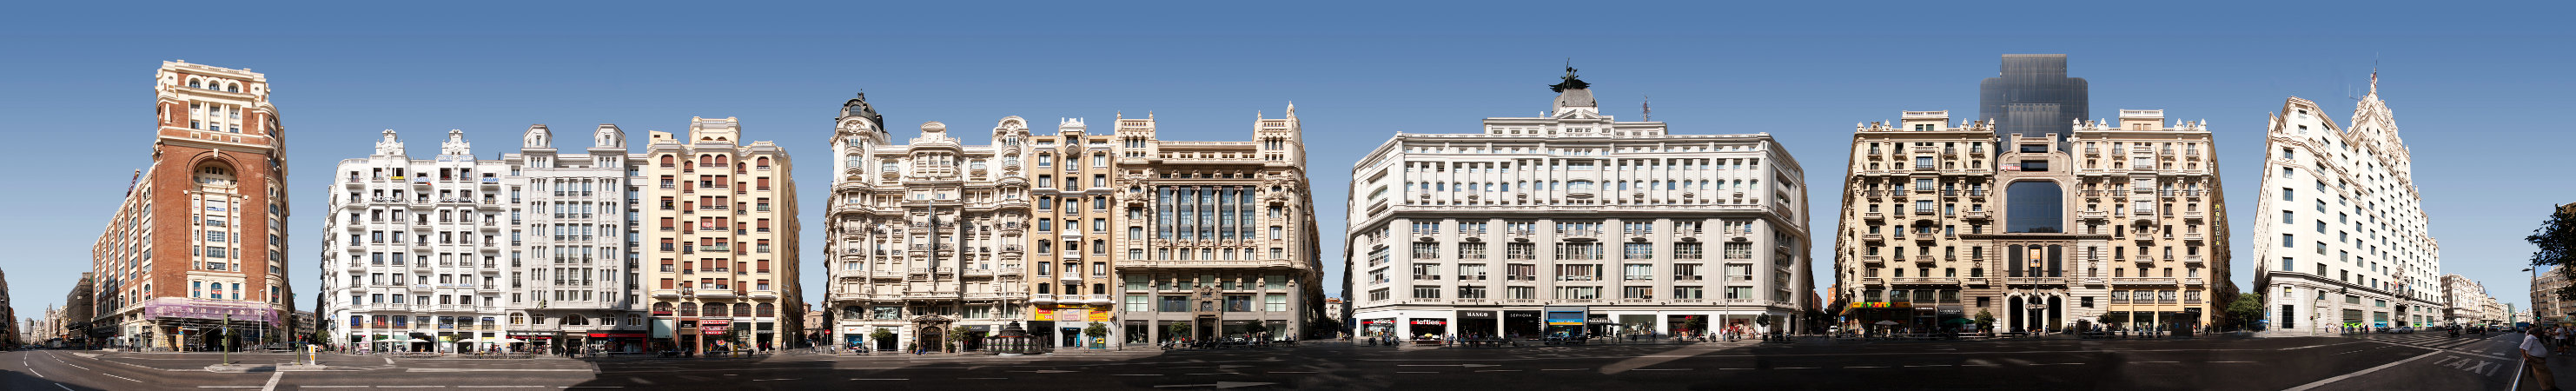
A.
pixel 2546 306
pixel 723 242
pixel 925 237
pixel 574 276
pixel 1070 223
pixel 1214 238
pixel 199 241
pixel 1508 230
pixel 2465 302
pixel 1943 222
pixel 413 248
pixel 2344 241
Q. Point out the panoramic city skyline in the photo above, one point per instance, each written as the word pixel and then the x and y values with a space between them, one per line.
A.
pixel 340 99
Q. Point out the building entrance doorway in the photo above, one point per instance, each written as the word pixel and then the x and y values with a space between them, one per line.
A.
pixel 930 338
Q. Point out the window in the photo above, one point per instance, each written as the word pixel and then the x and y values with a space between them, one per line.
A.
pixel 1638 251
pixel 1470 250
pixel 1638 272
pixel 1688 250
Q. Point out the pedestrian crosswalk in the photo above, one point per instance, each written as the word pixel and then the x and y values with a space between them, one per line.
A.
pixel 2489 344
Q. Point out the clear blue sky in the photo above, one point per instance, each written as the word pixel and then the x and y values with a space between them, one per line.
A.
pixel 2480 91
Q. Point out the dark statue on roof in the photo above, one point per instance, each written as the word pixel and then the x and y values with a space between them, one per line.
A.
pixel 1570 83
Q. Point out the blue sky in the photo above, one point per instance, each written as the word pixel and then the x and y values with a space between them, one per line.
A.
pixel 2475 90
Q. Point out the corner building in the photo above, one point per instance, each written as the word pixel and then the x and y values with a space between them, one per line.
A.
pixel 1576 224
pixel 722 242
pixel 412 252
pixel 1942 222
pixel 200 238
pixel 2344 242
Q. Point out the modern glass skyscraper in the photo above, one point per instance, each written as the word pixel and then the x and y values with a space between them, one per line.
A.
pixel 2032 97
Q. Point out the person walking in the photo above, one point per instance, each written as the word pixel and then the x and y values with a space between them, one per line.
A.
pixel 2535 356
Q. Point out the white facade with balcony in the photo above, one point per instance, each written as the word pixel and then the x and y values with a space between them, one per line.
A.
pixel 571 271
pixel 1576 223
pixel 2343 241
pixel 924 238
pixel 412 259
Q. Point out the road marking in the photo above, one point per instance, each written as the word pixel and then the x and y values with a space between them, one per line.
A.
pixel 64 388
pixel 272 380
pixel 2323 382
pixel 120 377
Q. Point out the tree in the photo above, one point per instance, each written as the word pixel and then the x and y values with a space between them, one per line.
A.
pixel 1256 327
pixel 1176 330
pixel 1764 320
pixel 2245 311
pixel 881 335
pixel 2556 239
pixel 1696 323
pixel 1097 331
pixel 1984 320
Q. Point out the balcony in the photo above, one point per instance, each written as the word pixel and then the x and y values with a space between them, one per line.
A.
pixel 2191 237
pixel 1873 260
pixel 1873 216
pixel 1872 238
pixel 2093 215
pixel 1975 215
pixel 719 292
pixel 2192 215
pixel 1098 299
pixel 2191 260
pixel 1042 298
pixel 2125 281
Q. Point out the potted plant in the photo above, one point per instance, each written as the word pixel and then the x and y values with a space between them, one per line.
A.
pixel 1098 333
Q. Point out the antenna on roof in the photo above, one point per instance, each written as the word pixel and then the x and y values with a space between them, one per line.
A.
pixel 1648 107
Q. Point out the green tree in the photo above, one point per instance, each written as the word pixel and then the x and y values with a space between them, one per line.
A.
pixel 1097 331
pixel 1176 330
pixel 2246 310
pixel 881 335
pixel 2556 240
pixel 1985 320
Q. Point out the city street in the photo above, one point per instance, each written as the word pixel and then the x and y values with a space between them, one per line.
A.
pixel 2409 361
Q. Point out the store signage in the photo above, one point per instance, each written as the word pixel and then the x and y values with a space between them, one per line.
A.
pixel 179 307
pixel 617 335
pixel 1099 316
pixel 1434 322
pixel 1565 319
pixel 714 328
pixel 1475 314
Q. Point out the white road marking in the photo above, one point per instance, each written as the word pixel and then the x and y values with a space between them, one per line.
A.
pixel 2323 382
pixel 120 377
pixel 272 380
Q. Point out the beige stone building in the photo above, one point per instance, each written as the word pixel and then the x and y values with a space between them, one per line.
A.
pixel 1211 237
pixel 722 242
pixel 2114 223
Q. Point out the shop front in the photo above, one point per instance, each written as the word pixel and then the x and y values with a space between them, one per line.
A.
pixel 1523 323
pixel 1478 324
pixel 1567 321
pixel 1426 328
pixel 1377 327
pixel 617 341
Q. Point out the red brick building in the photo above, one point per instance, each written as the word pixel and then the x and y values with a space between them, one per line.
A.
pixel 198 245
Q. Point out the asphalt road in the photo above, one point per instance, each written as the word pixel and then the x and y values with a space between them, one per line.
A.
pixel 2374 362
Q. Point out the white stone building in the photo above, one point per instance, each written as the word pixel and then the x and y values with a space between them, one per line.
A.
pixel 2343 240
pixel 1575 224
pixel 572 277
pixel 924 238
pixel 413 260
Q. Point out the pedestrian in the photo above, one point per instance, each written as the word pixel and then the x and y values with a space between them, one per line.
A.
pixel 2535 355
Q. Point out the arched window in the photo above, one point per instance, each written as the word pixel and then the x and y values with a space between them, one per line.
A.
pixel 741 309
pixel 659 309
pixel 688 310
pixel 192 83
pixel 713 309
pixel 767 309
pixel 234 87
pixel 667 160
pixel 764 163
